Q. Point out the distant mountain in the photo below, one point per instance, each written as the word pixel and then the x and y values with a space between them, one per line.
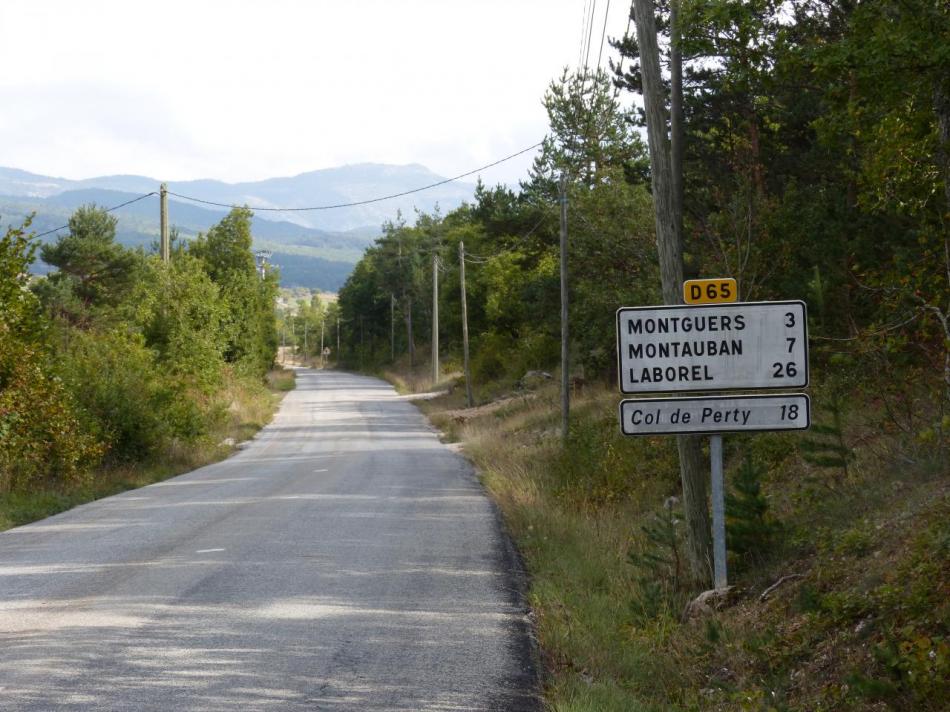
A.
pixel 330 186
pixel 318 259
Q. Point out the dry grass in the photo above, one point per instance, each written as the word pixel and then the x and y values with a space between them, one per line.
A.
pixel 576 513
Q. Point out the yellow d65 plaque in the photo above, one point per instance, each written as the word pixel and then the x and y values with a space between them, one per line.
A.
pixel 710 291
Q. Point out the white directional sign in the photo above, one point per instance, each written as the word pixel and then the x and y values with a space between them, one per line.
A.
pixel 714 414
pixel 715 347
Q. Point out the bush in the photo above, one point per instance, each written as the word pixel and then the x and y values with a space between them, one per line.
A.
pixel 750 531
pixel 127 401
pixel 41 437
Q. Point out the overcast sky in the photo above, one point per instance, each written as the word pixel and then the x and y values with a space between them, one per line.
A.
pixel 243 90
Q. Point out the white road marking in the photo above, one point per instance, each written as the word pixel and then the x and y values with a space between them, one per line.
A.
pixel 207 551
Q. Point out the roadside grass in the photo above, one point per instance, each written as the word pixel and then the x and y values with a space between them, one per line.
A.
pixel 247 407
pixel 418 378
pixel 860 623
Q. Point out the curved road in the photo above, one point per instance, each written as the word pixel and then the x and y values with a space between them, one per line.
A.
pixel 345 560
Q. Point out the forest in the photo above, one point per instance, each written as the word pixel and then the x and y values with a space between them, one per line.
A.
pixel 802 148
pixel 815 167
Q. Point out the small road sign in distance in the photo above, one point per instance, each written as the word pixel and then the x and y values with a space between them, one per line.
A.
pixel 710 291
pixel 745 345
pixel 715 414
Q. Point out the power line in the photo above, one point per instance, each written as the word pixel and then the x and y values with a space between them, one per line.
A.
pixel 603 34
pixel 108 210
pixel 580 54
pixel 590 30
pixel 370 200
pixel 482 259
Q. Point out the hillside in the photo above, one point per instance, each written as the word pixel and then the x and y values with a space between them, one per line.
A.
pixel 329 186
pixel 307 257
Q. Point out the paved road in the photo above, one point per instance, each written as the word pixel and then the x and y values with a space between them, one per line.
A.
pixel 346 560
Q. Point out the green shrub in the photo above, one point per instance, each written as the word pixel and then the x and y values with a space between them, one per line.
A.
pixel 750 531
pixel 659 561
pixel 127 401
pixel 41 437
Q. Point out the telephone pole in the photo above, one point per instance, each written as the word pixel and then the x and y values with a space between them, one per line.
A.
pixel 323 358
pixel 468 373
pixel 392 327
pixel 565 364
pixel 435 318
pixel 164 242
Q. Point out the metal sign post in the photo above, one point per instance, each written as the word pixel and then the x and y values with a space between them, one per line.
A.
pixel 718 512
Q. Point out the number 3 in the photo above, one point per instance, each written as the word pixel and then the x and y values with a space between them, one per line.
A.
pixel 789 319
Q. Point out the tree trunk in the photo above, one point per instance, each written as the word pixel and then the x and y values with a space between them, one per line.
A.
pixel 942 109
pixel 670 249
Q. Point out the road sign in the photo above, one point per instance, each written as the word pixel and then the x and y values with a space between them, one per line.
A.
pixel 715 414
pixel 710 291
pixel 746 345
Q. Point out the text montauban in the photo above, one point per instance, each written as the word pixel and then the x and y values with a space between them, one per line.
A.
pixel 690 337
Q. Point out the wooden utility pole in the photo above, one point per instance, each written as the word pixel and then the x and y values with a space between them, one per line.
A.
pixel 676 120
pixel 412 344
pixel 670 250
pixel 392 327
pixel 469 399
pixel 323 359
pixel 164 243
pixel 435 317
pixel 565 355
pixel 338 339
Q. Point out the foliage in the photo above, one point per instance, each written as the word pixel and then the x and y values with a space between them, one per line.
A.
pixel 116 355
pixel 18 307
pixel 660 564
pixel 180 312
pixel 125 399
pixel 511 245
pixel 825 447
pixel 42 440
pixel 248 323
pixel 94 272
pixel 750 530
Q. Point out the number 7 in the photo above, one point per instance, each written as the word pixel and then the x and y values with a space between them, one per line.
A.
pixel 791 343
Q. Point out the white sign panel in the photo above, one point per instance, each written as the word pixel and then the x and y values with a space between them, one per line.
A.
pixel 712 348
pixel 714 414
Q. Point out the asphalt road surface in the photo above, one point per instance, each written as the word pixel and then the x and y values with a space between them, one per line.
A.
pixel 346 560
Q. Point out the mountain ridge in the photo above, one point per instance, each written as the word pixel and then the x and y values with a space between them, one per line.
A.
pixel 320 187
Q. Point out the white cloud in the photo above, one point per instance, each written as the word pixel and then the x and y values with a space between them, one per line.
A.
pixel 246 90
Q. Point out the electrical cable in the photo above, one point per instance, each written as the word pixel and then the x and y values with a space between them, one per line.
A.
pixel 603 34
pixel 108 210
pixel 370 200
pixel 590 31
pixel 480 259
pixel 580 54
